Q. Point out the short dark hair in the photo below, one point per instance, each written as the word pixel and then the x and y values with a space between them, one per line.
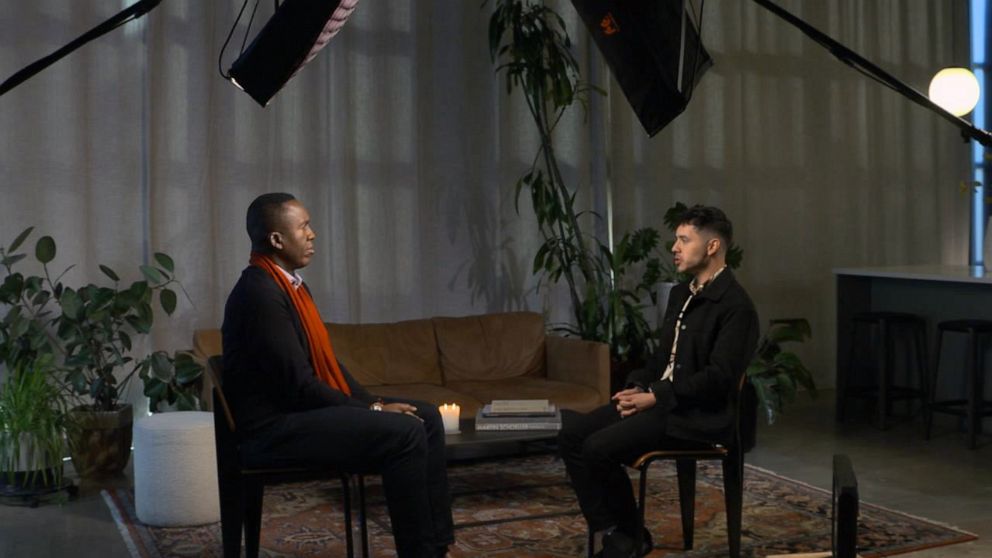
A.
pixel 709 218
pixel 263 214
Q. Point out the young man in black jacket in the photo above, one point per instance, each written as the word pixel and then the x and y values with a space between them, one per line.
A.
pixel 687 389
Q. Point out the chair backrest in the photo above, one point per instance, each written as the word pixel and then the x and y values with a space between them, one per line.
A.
pixel 747 413
pixel 216 369
pixel 225 432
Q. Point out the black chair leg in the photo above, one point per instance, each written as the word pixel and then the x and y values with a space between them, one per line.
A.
pixel 348 535
pixel 733 493
pixel 686 469
pixel 253 494
pixel 362 519
pixel 231 517
pixel 642 504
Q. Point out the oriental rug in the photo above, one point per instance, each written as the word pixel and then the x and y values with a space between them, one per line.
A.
pixel 523 507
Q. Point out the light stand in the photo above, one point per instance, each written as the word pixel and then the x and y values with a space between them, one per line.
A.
pixel 132 12
pixel 968 130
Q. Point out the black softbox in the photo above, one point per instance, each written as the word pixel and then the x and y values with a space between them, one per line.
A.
pixel 290 39
pixel 654 51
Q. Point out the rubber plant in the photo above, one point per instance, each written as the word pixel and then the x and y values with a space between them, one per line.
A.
pixel 90 330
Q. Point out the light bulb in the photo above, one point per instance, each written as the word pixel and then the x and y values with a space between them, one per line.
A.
pixel 955 90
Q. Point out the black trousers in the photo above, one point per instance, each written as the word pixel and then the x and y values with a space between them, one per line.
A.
pixel 408 453
pixel 595 446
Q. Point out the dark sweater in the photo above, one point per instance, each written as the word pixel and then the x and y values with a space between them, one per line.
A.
pixel 267 370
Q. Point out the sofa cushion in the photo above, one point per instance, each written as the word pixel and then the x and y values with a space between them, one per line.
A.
pixel 491 346
pixel 566 395
pixel 394 353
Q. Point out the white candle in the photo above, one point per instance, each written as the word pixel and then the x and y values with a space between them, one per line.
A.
pixel 449 414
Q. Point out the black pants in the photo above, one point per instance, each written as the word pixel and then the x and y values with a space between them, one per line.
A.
pixel 408 453
pixel 595 447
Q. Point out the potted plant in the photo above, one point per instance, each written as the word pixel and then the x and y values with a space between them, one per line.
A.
pixel 33 425
pixel 90 330
pixel 776 373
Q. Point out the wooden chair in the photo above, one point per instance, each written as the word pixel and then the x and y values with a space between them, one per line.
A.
pixel 686 453
pixel 242 487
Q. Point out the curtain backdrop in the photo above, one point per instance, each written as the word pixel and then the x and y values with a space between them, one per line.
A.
pixel 405 148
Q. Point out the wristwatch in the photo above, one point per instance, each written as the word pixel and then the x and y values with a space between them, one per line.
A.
pixel 376 405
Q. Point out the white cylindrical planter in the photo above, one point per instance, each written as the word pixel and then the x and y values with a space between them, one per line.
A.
pixel 175 469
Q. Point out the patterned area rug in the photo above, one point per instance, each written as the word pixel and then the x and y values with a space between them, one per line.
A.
pixel 523 507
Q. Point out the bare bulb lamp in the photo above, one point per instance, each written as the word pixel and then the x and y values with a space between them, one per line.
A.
pixel 955 90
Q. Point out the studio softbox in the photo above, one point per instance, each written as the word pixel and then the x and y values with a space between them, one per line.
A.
pixel 290 39
pixel 654 51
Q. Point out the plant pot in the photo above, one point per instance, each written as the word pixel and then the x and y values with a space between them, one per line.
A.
pixel 32 468
pixel 101 443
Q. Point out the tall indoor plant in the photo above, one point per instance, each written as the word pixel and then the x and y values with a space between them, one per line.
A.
pixel 608 287
pixel 89 330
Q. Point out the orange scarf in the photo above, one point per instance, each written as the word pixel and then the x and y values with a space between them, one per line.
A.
pixel 325 366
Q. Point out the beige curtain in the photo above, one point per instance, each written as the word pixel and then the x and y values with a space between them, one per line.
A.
pixel 405 148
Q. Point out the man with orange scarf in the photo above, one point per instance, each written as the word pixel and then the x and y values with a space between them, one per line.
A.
pixel 295 403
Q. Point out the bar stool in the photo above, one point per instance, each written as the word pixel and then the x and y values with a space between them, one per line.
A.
pixel 888 326
pixel 975 406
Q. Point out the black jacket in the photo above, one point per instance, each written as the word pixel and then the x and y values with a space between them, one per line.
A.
pixel 717 341
pixel 267 368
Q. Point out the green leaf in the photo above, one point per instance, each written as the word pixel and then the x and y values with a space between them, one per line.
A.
pixel 9 261
pixel 152 275
pixel 72 305
pixel 44 250
pixel 20 239
pixel 125 340
pixel 187 402
pixel 165 261
pixel 155 389
pixel 162 366
pixel 168 299
pixel 109 273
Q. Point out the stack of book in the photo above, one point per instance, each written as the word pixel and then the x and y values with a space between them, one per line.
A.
pixel 518 414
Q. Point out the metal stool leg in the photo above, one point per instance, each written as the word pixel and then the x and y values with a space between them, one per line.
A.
pixel 974 396
pixel 844 374
pixel 932 394
pixel 884 374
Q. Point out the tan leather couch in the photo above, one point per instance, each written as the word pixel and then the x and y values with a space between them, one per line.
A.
pixel 470 360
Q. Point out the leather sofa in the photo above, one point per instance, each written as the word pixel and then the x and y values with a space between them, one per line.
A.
pixel 468 360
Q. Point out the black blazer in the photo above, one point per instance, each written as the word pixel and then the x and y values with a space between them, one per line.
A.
pixel 717 341
pixel 267 370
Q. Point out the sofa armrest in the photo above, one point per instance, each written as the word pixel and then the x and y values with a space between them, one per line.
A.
pixel 581 362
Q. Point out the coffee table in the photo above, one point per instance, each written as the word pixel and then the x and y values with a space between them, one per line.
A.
pixel 473 444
